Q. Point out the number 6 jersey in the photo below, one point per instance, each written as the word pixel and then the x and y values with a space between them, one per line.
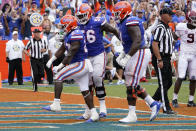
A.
pixel 187 37
pixel 94 35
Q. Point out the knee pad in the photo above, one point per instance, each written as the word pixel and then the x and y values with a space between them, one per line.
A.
pixel 100 92
pixel 140 90
pixel 131 93
pixel 85 93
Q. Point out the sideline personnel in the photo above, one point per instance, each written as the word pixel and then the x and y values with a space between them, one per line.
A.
pixel 14 56
pixel 37 47
pixel 162 49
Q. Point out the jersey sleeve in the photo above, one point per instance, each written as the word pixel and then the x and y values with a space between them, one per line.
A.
pixel 179 28
pixel 28 46
pixel 159 32
pixel 100 20
pixel 132 22
pixel 7 49
pixel 76 36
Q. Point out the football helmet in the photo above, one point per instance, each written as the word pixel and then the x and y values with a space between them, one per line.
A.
pixel 84 13
pixel 191 17
pixel 68 23
pixel 121 10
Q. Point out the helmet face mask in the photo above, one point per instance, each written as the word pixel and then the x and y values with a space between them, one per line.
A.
pixel 193 20
pixel 83 14
pixel 117 16
pixel 82 18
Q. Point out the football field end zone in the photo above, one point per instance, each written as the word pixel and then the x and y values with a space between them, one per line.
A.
pixel 111 122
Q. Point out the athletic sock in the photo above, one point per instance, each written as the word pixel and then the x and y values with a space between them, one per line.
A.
pixel 191 98
pixel 149 100
pixel 175 96
pixel 56 101
pixel 102 106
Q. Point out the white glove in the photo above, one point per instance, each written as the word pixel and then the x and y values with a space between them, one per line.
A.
pixel 49 63
pixel 122 54
pixel 57 68
pixel 124 60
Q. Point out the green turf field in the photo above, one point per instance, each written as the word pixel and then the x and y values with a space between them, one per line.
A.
pixel 113 90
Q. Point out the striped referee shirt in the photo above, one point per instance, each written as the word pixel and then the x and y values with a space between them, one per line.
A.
pixel 163 35
pixel 35 47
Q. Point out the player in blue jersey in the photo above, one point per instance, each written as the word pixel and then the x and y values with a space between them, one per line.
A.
pixel 132 33
pixel 75 66
pixel 93 28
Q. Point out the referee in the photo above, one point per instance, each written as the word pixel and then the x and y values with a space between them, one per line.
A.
pixel 37 47
pixel 162 49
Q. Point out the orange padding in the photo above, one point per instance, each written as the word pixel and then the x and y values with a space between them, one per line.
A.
pixel 4 64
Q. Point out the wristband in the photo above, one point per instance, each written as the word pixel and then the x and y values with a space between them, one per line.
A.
pixel 53 58
pixel 60 66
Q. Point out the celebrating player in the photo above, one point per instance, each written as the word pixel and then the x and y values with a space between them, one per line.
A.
pixel 132 59
pixel 93 28
pixel 75 66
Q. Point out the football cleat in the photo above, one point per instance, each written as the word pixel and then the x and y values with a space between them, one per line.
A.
pixel 52 107
pixel 102 115
pixel 130 118
pixel 155 107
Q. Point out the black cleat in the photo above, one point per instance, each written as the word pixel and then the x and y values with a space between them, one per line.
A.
pixel 191 104
pixel 170 112
pixel 175 103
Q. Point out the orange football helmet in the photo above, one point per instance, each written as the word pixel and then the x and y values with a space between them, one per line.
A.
pixel 84 13
pixel 121 10
pixel 69 23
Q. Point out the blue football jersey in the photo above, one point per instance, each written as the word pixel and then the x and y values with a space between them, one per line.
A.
pixel 94 35
pixel 77 35
pixel 127 41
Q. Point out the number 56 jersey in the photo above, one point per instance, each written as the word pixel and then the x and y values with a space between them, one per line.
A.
pixel 94 35
pixel 187 37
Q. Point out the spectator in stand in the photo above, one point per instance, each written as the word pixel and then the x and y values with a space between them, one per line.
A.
pixel 10 22
pixel 14 56
pixel 2 30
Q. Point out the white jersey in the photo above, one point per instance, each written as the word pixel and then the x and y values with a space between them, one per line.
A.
pixel 188 38
pixel 117 44
pixel 54 45
pixel 14 49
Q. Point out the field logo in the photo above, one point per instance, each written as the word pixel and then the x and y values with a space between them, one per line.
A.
pixel 36 19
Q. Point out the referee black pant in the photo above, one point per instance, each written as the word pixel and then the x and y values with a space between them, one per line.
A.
pixel 49 72
pixel 37 70
pixel 164 76
pixel 15 65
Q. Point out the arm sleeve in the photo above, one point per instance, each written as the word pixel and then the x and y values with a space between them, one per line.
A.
pixel 28 46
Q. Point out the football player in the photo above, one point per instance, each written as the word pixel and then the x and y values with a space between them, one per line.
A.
pixel 132 32
pixel 187 57
pixel 75 66
pixel 93 28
